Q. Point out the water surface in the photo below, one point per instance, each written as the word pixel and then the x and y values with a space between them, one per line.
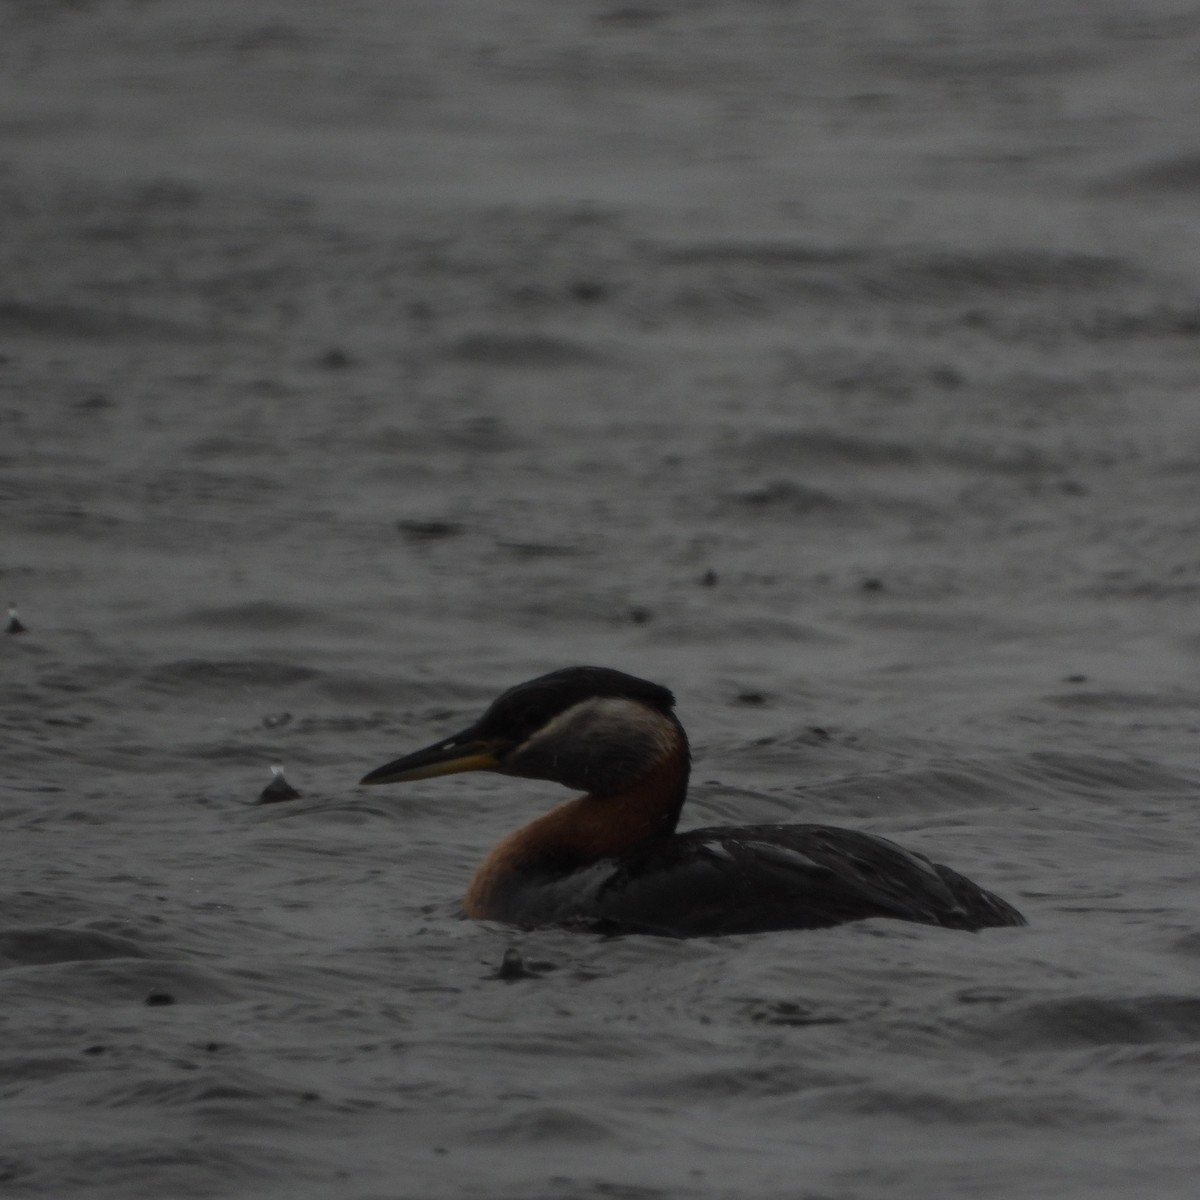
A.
pixel 835 365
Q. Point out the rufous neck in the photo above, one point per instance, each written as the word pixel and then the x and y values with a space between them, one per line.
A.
pixel 584 831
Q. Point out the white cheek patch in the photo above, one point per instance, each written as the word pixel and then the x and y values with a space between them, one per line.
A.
pixel 607 720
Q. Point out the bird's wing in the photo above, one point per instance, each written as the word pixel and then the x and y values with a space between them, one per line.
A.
pixel 756 878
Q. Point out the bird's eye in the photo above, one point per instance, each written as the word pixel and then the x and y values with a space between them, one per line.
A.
pixel 534 718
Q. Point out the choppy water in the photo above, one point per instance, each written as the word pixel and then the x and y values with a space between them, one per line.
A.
pixel 836 365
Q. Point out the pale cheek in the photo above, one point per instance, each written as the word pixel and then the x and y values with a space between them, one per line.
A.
pixel 601 745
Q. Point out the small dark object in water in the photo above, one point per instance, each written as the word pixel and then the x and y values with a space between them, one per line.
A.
pixel 587 291
pixel 639 615
pixel 335 359
pixel 513 966
pixel 789 1012
pixel 872 584
pixel 709 579
pixel 429 531
pixel 751 698
pixel 278 789
pixel 158 999
pixel 15 624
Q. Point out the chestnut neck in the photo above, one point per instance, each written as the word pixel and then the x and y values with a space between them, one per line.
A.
pixel 583 831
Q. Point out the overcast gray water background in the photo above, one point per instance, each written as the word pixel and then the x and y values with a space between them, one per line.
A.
pixel 833 363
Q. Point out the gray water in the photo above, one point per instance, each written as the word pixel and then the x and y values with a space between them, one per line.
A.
pixel 834 364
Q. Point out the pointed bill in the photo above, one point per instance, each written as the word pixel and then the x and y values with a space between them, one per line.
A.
pixel 461 753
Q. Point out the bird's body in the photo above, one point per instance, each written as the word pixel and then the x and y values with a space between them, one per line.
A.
pixel 611 860
pixel 744 879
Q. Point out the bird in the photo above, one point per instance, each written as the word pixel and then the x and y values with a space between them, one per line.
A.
pixel 611 860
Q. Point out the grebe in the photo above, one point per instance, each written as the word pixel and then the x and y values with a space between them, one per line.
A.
pixel 610 860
